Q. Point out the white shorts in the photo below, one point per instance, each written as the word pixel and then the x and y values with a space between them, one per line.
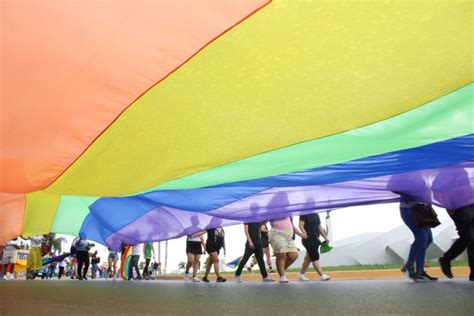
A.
pixel 9 256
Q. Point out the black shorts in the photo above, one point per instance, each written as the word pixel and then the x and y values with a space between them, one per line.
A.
pixel 193 247
pixel 265 242
pixel 212 247
pixel 312 247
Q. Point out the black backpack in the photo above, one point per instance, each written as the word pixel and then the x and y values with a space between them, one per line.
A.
pixel 220 237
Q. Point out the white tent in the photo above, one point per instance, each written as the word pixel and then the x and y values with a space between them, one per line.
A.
pixel 390 247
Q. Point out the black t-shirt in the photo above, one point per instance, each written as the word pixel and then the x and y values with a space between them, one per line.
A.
pixel 211 236
pixel 254 232
pixel 214 237
pixel 311 224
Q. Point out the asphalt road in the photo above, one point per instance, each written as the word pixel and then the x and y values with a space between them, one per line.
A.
pixel 368 297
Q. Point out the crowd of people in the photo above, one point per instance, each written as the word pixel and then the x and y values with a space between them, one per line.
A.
pixel 281 237
pixel 44 263
pixel 259 240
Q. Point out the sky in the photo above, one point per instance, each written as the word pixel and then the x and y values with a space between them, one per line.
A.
pixel 345 223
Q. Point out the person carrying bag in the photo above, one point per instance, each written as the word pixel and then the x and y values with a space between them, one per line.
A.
pixel 425 215
pixel 419 218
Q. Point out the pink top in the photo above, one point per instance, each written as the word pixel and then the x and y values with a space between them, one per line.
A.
pixel 197 238
pixel 282 224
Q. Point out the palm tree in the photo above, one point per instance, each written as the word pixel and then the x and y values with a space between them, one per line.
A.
pixel 55 243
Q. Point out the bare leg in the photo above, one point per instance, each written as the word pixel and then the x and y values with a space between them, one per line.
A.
pixel 195 264
pixel 11 267
pixel 74 271
pixel 280 263
pixel 215 260
pixel 266 251
pixel 290 258
pixel 305 264
pixel 208 266
pixel 317 267
pixel 189 263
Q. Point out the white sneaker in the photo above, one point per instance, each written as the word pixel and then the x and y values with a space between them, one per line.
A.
pixel 325 277
pixel 195 279
pixel 186 276
pixel 267 279
pixel 283 279
pixel 238 279
pixel 302 278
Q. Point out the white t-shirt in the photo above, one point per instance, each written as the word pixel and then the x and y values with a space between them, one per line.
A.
pixel 36 241
pixel 10 246
pixel 137 250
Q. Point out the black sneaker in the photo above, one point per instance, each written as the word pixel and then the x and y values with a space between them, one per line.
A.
pixel 221 279
pixel 409 272
pixel 426 276
pixel 445 266
pixel 419 278
pixel 205 280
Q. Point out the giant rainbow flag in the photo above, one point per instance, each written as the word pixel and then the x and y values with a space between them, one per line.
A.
pixel 136 121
